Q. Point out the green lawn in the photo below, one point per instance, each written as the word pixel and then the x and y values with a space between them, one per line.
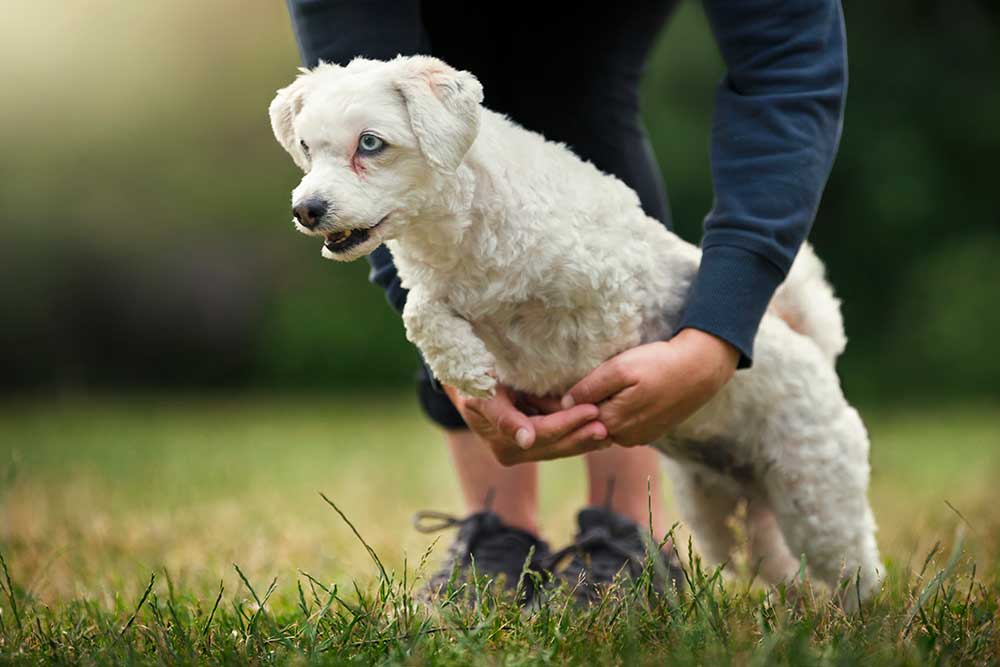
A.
pixel 98 494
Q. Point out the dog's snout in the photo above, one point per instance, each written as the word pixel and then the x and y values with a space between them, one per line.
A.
pixel 310 212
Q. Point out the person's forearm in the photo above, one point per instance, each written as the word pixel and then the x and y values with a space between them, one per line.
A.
pixel 776 126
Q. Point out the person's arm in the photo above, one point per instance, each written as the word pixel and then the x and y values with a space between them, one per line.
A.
pixel 776 126
pixel 775 131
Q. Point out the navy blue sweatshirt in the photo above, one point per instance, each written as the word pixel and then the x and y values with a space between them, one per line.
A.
pixel 775 130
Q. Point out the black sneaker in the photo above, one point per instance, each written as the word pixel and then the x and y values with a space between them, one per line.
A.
pixel 607 544
pixel 495 548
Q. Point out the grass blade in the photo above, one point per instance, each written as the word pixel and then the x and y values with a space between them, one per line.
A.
pixel 142 601
pixel 218 599
pixel 934 585
pixel 371 552
pixel 10 595
pixel 260 603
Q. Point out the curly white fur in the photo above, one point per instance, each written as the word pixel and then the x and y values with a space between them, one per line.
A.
pixel 528 266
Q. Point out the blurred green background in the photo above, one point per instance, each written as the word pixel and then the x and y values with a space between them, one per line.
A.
pixel 145 238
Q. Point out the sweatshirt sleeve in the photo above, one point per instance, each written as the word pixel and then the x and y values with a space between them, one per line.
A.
pixel 775 130
pixel 383 273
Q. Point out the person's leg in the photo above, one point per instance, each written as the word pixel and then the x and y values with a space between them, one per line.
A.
pixel 337 31
pixel 573 76
pixel 510 492
pixel 580 85
pixel 633 479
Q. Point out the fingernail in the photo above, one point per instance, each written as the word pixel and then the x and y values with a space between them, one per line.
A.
pixel 523 437
pixel 600 433
pixel 568 402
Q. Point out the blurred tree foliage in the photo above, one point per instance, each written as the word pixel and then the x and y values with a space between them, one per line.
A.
pixel 144 234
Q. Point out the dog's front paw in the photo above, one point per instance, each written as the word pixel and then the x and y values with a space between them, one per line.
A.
pixel 465 368
pixel 480 385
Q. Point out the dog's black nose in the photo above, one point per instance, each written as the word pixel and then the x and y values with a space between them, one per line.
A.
pixel 309 212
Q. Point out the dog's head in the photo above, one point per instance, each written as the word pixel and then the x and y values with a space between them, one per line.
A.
pixel 372 138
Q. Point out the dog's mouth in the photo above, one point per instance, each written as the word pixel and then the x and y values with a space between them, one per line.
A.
pixel 341 241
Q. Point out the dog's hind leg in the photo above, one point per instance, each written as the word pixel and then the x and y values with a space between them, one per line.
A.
pixel 818 489
pixel 705 503
pixel 769 555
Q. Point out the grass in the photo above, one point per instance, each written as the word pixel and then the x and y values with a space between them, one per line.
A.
pixel 172 530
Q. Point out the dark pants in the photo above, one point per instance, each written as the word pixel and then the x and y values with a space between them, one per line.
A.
pixel 570 73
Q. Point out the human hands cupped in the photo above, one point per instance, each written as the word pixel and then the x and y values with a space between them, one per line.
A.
pixel 515 436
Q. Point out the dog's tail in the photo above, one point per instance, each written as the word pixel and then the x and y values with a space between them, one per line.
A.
pixel 806 302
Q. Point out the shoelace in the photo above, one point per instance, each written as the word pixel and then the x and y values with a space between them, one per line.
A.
pixel 470 527
pixel 491 548
pixel 443 521
pixel 597 537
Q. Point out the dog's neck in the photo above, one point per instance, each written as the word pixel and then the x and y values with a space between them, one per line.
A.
pixel 437 227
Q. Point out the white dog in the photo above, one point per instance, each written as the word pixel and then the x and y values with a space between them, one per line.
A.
pixel 528 266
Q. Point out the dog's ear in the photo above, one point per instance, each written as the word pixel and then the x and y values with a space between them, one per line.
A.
pixel 285 106
pixel 444 108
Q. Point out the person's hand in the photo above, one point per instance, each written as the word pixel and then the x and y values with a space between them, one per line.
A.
pixel 647 390
pixel 516 437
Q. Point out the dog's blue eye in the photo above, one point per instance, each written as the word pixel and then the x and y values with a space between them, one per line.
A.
pixel 369 143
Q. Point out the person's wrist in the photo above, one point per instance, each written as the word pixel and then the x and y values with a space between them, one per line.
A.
pixel 718 357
